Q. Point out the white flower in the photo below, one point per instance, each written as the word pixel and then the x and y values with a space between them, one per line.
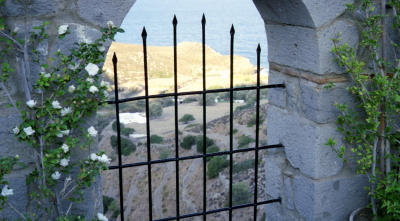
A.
pixel 92 131
pixel 29 131
pixel 46 75
pixel 68 179
pixel 56 104
pixel 104 159
pixel 62 29
pixel 71 89
pixel 101 217
pixel 31 103
pixel 93 89
pixel 105 93
pixel 65 111
pixel 15 130
pixel 62 133
pixel 90 80
pixel 92 69
pixel 16 29
pixel 105 84
pixel 64 162
pixel 56 175
pixel 17 156
pixel 93 156
pixel 110 24
pixel 6 191
pixel 65 148
pixel 101 48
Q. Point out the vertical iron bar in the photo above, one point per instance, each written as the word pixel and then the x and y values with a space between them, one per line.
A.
pixel 203 25
pixel 121 192
pixel 175 22
pixel 144 36
pixel 231 127
pixel 257 133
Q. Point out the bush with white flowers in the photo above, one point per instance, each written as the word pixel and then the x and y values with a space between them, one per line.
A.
pixel 68 90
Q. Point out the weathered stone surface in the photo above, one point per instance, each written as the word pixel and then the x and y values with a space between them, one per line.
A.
pixel 274 164
pixel 37 8
pixel 298 48
pixel 318 102
pixel 304 142
pixel 288 97
pixel 329 199
pixel 309 13
pixel 349 34
pixel 284 12
pixel 289 195
pixel 99 12
pixel 276 212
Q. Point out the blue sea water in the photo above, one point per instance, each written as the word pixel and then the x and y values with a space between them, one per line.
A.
pixel 157 16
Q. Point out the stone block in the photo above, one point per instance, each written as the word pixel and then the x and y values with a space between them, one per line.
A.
pixel 318 103
pixel 276 212
pixel 286 98
pixel 274 164
pixel 348 33
pixel 329 199
pixel 102 11
pixel 309 13
pixel 304 142
pixel 36 8
pixel 287 181
pixel 293 46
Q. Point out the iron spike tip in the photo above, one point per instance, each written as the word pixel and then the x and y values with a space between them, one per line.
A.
pixel 174 21
pixel 203 19
pixel 114 59
pixel 258 48
pixel 232 30
pixel 144 32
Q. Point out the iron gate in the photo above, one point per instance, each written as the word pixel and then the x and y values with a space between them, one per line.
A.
pixel 204 155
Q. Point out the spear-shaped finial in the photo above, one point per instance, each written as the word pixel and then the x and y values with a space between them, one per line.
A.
pixel 174 21
pixel 144 33
pixel 203 20
pixel 232 30
pixel 114 59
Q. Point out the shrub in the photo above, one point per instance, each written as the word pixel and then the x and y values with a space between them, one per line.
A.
pixel 210 99
pixel 244 140
pixel 199 143
pixel 188 142
pixel 241 194
pixel 252 120
pixel 109 204
pixel 216 165
pixel 243 165
pixel 126 131
pixel 164 154
pixel 155 139
pixel 127 146
pixel 212 149
pixel 186 118
pixel 243 107
pixel 155 109
pixel 189 100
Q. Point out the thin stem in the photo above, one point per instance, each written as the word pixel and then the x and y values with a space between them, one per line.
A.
pixel 4 88
pixel 41 160
pixel 12 39
pixel 16 210
pixel 374 153
pixel 388 166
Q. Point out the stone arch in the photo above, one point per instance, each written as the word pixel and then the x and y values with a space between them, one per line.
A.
pixel 312 182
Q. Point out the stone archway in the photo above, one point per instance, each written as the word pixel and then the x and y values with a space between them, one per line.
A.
pixel 312 182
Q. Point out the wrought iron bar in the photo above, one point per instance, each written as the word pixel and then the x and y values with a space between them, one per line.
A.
pixel 146 80
pixel 197 93
pixel 175 22
pixel 203 28
pixel 231 125
pixel 192 157
pixel 121 192
pixel 257 133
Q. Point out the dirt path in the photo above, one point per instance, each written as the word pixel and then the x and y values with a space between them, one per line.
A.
pixel 157 204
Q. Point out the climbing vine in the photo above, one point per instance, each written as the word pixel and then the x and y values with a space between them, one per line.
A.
pixel 67 90
pixel 371 126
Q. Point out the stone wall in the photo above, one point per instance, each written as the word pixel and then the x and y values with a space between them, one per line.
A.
pixel 312 182
pixel 85 18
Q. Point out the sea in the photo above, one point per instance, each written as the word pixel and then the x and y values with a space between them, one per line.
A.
pixel 157 15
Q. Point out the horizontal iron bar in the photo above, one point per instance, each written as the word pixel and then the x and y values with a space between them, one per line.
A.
pixel 197 92
pixel 194 157
pixel 278 200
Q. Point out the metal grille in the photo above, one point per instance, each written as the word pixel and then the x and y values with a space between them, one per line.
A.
pixel 204 155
